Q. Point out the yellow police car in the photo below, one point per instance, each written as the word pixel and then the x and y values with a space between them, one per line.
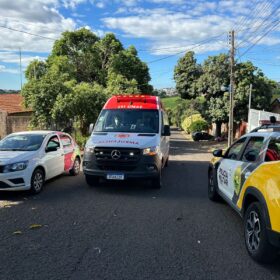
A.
pixel 247 176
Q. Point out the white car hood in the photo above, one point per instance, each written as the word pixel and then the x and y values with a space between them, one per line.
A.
pixel 7 157
pixel 125 140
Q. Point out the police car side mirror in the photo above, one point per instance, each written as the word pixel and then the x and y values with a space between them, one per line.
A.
pixel 218 153
pixel 250 156
pixel 166 130
pixel 91 126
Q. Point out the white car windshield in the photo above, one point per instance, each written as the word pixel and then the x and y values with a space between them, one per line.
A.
pixel 135 121
pixel 23 142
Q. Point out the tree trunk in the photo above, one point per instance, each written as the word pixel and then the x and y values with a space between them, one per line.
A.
pixel 218 129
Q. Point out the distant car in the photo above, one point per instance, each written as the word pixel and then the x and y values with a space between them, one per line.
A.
pixel 200 135
pixel 28 159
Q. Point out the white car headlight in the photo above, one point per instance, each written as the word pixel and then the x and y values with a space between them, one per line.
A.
pixel 18 166
pixel 151 151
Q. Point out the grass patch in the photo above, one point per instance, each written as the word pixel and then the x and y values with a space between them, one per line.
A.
pixel 170 102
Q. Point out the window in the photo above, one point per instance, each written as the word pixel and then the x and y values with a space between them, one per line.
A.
pixel 135 121
pixel 253 149
pixel 22 142
pixel 65 140
pixel 273 150
pixel 235 149
pixel 53 142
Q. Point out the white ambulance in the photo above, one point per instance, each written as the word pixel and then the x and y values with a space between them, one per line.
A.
pixel 130 140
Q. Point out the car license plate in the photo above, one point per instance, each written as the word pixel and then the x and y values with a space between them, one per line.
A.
pixel 115 176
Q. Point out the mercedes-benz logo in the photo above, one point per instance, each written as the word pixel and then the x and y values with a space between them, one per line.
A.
pixel 115 154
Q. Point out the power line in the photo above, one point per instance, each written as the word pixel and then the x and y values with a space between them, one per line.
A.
pixel 195 46
pixel 25 32
pixel 268 31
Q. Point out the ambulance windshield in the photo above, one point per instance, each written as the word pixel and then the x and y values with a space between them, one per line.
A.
pixel 134 121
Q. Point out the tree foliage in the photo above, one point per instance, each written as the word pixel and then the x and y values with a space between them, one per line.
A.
pixel 212 75
pixel 81 72
pixel 186 73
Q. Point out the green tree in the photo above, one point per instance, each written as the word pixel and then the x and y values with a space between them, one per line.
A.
pixel 77 77
pixel 118 84
pixel 128 64
pixel 36 69
pixel 82 104
pixel 186 74
pixel 41 95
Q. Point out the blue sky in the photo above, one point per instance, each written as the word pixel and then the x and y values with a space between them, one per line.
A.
pixel 159 29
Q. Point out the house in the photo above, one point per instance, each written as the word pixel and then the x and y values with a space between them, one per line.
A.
pixel 13 116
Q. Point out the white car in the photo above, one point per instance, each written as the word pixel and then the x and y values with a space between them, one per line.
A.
pixel 28 159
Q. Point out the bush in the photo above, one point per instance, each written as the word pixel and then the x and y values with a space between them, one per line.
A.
pixel 189 120
pixel 198 125
pixel 80 139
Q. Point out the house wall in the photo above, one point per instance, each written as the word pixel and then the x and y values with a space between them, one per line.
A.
pixel 3 124
pixel 18 122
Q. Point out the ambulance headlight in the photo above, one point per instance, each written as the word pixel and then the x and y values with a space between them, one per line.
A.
pixel 151 151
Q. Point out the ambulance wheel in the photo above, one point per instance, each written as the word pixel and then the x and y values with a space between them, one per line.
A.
pixel 92 181
pixel 157 182
pixel 256 236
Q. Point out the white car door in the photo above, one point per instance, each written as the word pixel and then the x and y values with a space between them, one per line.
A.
pixel 229 164
pixel 54 157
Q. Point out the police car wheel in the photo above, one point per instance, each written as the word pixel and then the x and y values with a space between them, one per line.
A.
pixel 37 181
pixel 92 181
pixel 212 190
pixel 255 233
pixel 76 167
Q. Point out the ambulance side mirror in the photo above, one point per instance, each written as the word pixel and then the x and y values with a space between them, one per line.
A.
pixel 91 126
pixel 166 131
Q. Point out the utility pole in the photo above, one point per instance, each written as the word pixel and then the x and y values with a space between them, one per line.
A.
pixel 20 69
pixel 250 96
pixel 231 87
pixel 249 106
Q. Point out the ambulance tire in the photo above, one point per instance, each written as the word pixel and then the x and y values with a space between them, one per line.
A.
pixel 157 182
pixel 256 236
pixel 92 181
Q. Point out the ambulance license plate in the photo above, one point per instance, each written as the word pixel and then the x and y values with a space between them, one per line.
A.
pixel 115 177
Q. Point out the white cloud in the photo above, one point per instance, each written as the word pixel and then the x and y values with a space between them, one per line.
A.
pixel 4 69
pixel 40 17
pixel 14 58
pixel 171 31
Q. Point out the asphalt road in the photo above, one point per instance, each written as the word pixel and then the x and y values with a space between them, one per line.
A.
pixel 127 231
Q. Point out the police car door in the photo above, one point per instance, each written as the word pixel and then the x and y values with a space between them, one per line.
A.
pixel 230 163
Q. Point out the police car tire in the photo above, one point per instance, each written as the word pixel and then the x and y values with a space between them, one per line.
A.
pixel 37 181
pixel 92 181
pixel 212 188
pixel 75 171
pixel 266 253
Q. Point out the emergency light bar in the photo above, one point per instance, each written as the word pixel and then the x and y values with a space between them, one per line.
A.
pixel 131 98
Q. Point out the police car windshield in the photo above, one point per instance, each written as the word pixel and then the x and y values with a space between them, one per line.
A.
pixel 22 142
pixel 135 121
